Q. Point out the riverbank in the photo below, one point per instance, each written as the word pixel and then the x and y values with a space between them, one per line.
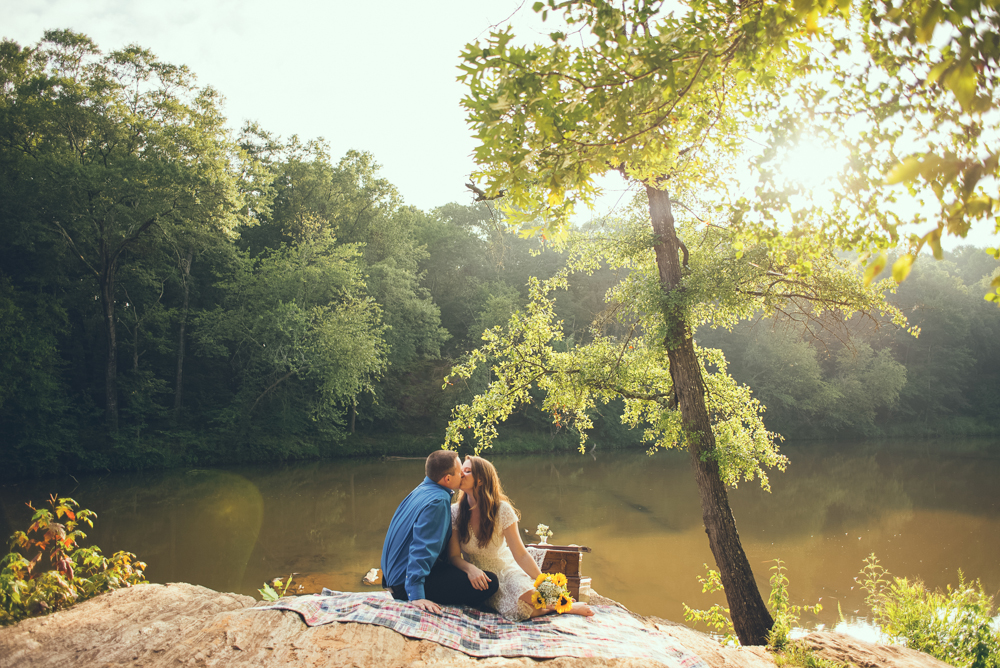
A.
pixel 182 624
pixel 233 529
pixel 173 450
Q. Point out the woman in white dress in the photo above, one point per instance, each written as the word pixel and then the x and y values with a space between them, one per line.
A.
pixel 485 537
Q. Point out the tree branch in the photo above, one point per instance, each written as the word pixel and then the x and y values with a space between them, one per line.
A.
pixel 481 196
pixel 273 385
pixel 76 250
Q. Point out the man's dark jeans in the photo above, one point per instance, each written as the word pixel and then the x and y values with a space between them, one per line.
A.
pixel 448 585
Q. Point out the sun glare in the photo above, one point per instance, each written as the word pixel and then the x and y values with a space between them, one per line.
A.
pixel 811 164
pixel 814 168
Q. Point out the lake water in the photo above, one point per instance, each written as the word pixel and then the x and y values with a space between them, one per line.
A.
pixel 924 512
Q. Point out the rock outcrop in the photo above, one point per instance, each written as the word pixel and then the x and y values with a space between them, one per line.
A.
pixel 187 625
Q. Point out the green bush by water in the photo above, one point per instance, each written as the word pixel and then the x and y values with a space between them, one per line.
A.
pixel 49 571
pixel 785 615
pixel 955 626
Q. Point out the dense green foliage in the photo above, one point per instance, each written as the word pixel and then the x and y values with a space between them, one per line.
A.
pixel 49 570
pixel 157 314
pixel 956 626
pixel 861 378
pixel 246 298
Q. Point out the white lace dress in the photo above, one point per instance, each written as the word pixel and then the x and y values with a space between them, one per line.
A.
pixel 497 557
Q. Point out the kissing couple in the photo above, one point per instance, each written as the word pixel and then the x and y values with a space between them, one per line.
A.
pixel 461 551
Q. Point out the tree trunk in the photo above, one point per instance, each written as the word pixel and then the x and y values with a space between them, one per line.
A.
pixel 135 347
pixel 353 413
pixel 751 619
pixel 185 266
pixel 107 286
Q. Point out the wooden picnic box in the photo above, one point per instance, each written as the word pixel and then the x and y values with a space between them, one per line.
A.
pixel 568 560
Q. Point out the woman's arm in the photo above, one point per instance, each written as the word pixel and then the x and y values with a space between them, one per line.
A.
pixel 520 553
pixel 477 577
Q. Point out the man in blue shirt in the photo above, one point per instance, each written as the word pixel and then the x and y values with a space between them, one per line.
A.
pixel 412 567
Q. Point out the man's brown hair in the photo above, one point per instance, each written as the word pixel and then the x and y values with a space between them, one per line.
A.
pixel 440 463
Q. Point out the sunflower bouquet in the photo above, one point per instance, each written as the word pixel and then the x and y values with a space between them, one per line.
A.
pixel 550 590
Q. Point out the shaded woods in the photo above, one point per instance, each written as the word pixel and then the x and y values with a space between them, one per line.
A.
pixel 173 293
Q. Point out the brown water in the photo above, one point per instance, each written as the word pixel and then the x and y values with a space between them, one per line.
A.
pixel 923 512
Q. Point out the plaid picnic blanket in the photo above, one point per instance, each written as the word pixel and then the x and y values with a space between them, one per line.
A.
pixel 610 633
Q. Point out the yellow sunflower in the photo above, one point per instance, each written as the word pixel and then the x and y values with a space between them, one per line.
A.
pixel 565 603
pixel 540 579
pixel 537 600
pixel 559 580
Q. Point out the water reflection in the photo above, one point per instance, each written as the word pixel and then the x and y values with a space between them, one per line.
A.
pixel 924 514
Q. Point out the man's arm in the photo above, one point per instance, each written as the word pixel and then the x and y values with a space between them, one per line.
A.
pixel 429 533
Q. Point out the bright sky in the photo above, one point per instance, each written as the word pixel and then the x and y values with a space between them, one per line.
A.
pixel 377 78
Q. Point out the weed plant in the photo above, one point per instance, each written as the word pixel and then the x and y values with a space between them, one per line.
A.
pixel 276 589
pixel 47 570
pixel 955 626
pixel 787 652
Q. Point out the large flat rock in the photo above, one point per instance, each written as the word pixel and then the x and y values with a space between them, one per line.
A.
pixel 186 625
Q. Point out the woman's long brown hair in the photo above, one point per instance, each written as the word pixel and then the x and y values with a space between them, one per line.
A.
pixel 490 493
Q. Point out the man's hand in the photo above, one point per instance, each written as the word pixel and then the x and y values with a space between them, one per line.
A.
pixel 478 578
pixel 429 606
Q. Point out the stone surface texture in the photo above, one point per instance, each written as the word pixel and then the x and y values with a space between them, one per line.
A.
pixel 187 625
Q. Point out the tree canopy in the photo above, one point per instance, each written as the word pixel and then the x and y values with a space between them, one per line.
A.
pixel 908 92
pixel 101 153
pixel 665 96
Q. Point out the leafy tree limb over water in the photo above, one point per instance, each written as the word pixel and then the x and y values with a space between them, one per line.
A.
pixel 661 97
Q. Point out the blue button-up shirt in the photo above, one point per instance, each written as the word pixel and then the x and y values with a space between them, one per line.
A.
pixel 417 536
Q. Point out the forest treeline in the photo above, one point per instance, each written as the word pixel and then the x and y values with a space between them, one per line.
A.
pixel 174 293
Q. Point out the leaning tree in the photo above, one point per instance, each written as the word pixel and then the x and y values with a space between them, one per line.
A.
pixel 662 98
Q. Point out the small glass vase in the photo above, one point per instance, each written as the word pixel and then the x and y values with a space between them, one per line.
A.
pixel 543 540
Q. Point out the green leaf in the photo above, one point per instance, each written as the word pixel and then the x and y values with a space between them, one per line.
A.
pixel 933 240
pixel 977 206
pixel 901 268
pixel 875 268
pixel 925 31
pixel 268 594
pixel 907 170
pixel 938 70
pixel 962 82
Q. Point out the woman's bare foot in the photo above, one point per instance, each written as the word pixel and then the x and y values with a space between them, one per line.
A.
pixel 581 609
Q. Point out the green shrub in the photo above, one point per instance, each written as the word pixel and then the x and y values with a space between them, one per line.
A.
pixel 785 616
pixel 47 570
pixel 716 617
pixel 788 653
pixel 955 626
